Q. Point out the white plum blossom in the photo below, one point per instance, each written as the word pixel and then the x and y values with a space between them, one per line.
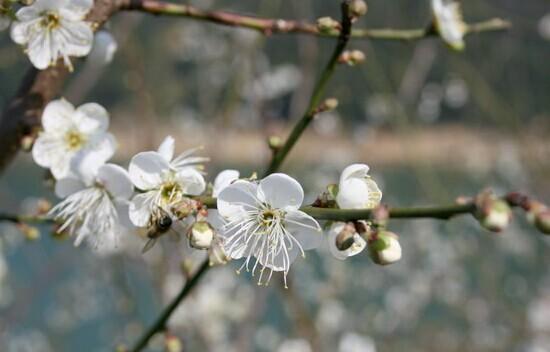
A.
pixel 73 138
pixel 53 29
pixel 356 190
pixel 262 220
pixel 449 23
pixel 164 183
pixel 356 247
pixel 224 179
pixel 95 209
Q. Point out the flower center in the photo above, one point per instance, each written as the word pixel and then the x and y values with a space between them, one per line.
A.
pixel 170 190
pixel 74 140
pixel 50 20
pixel 269 217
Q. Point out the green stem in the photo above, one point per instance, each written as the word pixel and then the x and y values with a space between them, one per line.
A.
pixel 316 96
pixel 160 324
pixel 273 26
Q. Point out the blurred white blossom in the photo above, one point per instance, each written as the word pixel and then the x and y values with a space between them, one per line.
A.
pixel 449 23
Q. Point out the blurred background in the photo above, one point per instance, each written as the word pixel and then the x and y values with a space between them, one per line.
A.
pixel 431 123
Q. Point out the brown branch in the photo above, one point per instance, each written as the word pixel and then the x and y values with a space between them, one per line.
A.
pixel 273 25
pixel 21 116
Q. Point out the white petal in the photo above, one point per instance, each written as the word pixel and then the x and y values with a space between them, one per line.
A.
pixel 88 160
pixel 391 254
pixel 354 171
pixel 91 117
pixel 237 198
pixel 58 116
pixel 166 148
pixel 78 8
pixel 215 219
pixel 46 150
pixel 42 49
pixel 67 186
pixel 77 38
pixel 223 180
pixel 191 181
pixel 146 169
pixel 281 191
pixel 304 228
pixel 353 193
pixel 27 13
pixel 140 208
pixel 116 181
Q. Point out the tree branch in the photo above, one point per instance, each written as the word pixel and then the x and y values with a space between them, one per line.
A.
pixel 160 324
pixel 318 92
pixel 273 26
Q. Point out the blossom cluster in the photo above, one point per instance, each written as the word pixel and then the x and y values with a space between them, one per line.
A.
pixel 260 221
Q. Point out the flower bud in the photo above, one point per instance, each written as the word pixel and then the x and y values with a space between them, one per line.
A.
pixel 384 248
pixel 31 233
pixel 275 142
pixel 542 221
pixel 201 235
pixel 27 142
pixel 330 104
pixel 327 24
pixel 172 343
pixel 216 253
pixel 495 215
pixel 357 8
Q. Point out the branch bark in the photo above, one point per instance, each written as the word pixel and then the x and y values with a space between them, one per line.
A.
pixel 273 25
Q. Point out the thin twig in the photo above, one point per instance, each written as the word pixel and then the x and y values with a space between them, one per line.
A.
pixel 317 94
pixel 160 324
pixel 274 26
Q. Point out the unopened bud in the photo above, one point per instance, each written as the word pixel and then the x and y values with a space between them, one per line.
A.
pixel 173 343
pixel 121 348
pixel 352 57
pixel 31 233
pixel 384 248
pixel 27 142
pixel 216 253
pixel 380 215
pixel 330 104
pixel 533 207
pixel 357 8
pixel 201 235
pixel 275 142
pixel 542 221
pixel 43 206
pixel 493 213
pixel 327 24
